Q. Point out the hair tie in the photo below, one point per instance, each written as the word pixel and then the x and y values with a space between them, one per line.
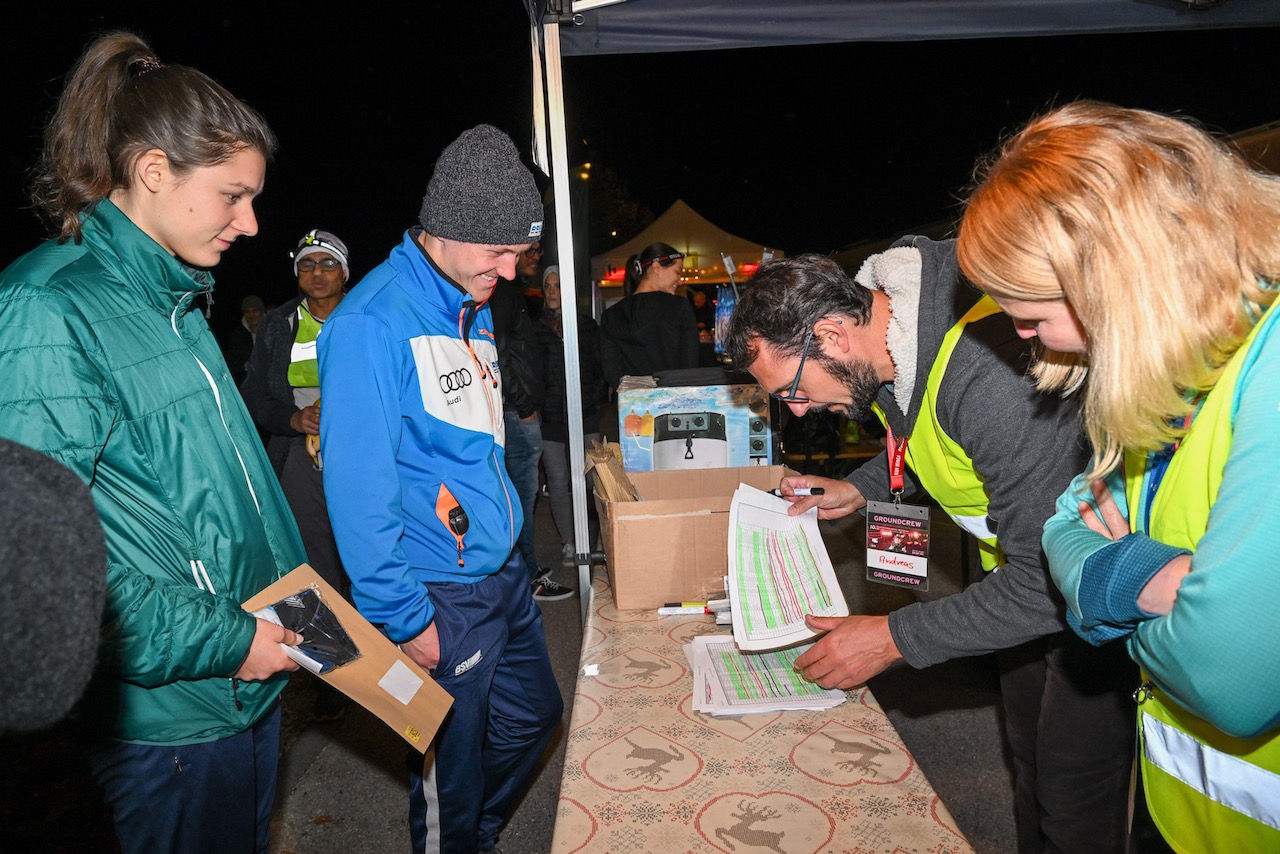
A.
pixel 146 64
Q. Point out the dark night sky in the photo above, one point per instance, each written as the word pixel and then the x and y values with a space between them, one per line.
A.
pixel 808 148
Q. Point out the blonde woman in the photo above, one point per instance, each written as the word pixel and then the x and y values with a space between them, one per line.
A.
pixel 1144 255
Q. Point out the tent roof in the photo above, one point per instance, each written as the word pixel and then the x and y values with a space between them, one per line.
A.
pixel 649 26
pixel 698 238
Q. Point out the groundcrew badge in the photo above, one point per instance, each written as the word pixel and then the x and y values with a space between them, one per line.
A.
pixel 898 544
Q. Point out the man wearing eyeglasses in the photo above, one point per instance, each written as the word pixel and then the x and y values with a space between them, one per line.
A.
pixel 948 372
pixel 282 393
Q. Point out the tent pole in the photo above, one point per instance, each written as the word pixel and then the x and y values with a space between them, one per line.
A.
pixel 568 302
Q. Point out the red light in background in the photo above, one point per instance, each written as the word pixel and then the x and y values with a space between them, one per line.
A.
pixel 747 269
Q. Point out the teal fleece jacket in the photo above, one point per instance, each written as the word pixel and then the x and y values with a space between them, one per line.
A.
pixel 1215 653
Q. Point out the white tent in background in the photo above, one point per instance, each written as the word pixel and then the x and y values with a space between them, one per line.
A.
pixel 701 241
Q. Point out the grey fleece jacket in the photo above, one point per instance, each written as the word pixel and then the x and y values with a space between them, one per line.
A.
pixel 1026 447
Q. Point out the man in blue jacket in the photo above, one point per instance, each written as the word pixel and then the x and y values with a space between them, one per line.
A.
pixel 425 515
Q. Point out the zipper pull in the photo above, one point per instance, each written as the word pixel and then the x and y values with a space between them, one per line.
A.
pixel 1143 692
pixel 459 523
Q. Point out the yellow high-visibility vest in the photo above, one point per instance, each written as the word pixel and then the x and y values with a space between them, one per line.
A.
pixel 939 463
pixel 1206 790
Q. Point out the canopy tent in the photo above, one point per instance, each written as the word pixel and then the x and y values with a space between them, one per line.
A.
pixel 589 27
pixel 647 26
pixel 701 241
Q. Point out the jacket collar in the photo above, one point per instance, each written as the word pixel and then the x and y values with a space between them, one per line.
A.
pixel 897 272
pixel 423 278
pixel 162 280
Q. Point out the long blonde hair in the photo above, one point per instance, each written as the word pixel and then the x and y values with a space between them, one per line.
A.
pixel 1161 239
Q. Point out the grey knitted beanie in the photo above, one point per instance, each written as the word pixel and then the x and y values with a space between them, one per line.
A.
pixel 480 192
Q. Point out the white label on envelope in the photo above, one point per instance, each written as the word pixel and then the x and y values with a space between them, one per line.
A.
pixel 400 682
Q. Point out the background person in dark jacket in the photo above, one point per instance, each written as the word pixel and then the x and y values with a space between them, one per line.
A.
pixel 238 346
pixel 652 329
pixel 555 410
pixel 282 392
pixel 520 364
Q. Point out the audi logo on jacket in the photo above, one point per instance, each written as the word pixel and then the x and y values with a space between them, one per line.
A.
pixel 412 422
pixel 455 380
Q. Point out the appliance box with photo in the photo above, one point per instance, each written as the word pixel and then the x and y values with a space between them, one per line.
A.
pixel 694 427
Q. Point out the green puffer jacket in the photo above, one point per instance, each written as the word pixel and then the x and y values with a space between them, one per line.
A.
pixel 107 368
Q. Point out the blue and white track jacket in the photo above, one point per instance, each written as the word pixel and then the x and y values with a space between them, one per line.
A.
pixel 411 427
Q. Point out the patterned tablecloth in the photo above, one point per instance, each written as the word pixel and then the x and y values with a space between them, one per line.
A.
pixel 643 772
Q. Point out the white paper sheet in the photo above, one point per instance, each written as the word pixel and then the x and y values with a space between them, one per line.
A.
pixel 728 681
pixel 779 571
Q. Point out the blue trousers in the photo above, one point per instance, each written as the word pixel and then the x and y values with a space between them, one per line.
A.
pixel 524 449
pixel 212 797
pixel 506 705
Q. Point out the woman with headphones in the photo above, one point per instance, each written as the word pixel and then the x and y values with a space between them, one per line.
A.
pixel 651 329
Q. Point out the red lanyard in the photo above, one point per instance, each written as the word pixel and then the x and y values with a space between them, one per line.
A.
pixel 897 455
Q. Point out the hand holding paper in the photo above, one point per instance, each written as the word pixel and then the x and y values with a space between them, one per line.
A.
pixel 853 650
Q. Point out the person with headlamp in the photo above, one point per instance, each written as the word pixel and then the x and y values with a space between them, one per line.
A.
pixel 652 329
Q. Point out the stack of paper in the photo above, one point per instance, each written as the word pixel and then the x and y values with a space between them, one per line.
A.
pixel 779 571
pixel 728 682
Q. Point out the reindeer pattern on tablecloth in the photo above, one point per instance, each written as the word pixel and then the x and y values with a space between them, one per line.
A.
pixel 748 835
pixel 657 760
pixel 862 755
pixel 647 669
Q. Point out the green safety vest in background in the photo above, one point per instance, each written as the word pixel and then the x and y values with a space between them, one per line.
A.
pixel 304 370
pixel 939 463
pixel 1206 790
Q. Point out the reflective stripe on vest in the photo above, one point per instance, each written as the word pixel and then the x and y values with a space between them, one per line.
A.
pixel 939 463
pixel 304 370
pixel 1206 790
pixel 1221 777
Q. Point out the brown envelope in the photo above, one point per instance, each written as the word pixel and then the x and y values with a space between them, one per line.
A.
pixel 383 679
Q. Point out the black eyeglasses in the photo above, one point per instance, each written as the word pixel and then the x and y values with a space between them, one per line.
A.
pixel 533 250
pixel 664 260
pixel 791 396
pixel 306 265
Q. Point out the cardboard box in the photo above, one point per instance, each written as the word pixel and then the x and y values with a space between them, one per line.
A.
pixel 383 679
pixel 673 544
pixel 694 427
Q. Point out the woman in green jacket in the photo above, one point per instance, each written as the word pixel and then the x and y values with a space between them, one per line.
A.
pixel 149 174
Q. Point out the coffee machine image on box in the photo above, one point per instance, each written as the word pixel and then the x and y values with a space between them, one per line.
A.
pixel 689 440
